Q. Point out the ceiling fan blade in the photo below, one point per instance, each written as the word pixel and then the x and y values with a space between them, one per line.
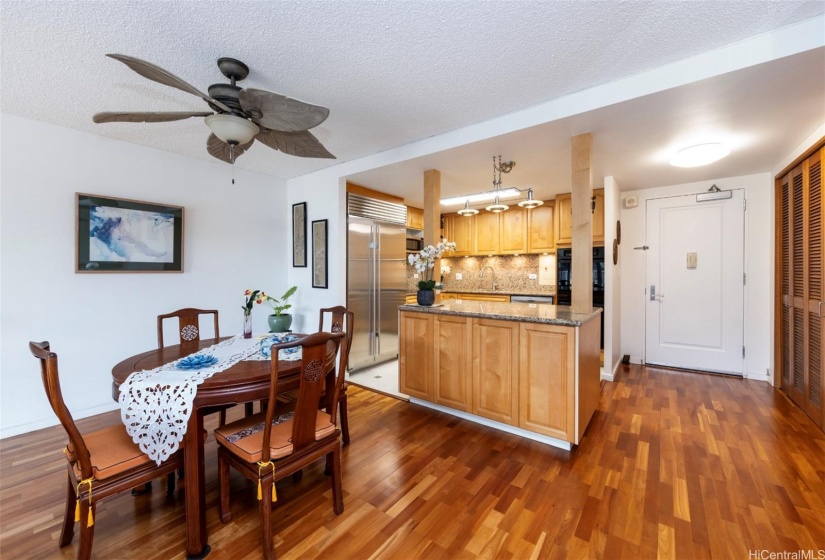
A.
pixel 220 149
pixel 301 144
pixel 278 112
pixel 113 116
pixel 161 76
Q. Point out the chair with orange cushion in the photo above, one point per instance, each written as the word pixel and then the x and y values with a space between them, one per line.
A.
pixel 340 320
pixel 270 445
pixel 101 464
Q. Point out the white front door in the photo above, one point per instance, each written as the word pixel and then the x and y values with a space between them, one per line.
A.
pixel 695 283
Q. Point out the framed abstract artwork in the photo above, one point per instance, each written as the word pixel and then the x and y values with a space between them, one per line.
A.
pixel 122 235
pixel 299 235
pixel 320 276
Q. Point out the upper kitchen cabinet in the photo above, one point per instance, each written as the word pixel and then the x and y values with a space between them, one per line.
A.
pixel 513 231
pixel 540 229
pixel 461 230
pixel 564 219
pixel 488 227
pixel 415 218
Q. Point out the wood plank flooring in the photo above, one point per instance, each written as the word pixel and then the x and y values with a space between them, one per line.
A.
pixel 673 465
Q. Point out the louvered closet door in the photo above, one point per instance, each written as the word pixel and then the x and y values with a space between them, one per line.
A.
pixel 801 269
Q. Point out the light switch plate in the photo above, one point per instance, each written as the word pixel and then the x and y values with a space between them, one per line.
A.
pixel 415 275
pixel 458 276
pixel 532 276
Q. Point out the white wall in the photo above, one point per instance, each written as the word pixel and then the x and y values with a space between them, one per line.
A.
pixel 234 238
pixel 613 282
pixel 325 195
pixel 758 267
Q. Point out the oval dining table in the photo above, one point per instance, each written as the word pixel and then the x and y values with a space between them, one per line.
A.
pixel 244 382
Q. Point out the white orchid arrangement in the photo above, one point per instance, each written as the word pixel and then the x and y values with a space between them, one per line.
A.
pixel 424 262
pixel 445 269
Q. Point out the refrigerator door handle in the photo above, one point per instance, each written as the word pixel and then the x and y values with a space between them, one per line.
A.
pixel 377 300
pixel 371 287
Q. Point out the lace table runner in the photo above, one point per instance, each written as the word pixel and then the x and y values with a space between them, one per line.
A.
pixel 155 405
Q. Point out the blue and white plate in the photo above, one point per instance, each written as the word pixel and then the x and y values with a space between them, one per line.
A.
pixel 267 342
pixel 197 361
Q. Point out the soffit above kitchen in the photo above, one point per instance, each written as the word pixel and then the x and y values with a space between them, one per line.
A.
pixel 390 73
pixel 762 112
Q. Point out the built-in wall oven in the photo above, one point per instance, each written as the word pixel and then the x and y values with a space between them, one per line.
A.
pixel 564 275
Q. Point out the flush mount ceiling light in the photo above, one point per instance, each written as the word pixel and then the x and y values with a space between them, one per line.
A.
pixel 530 202
pixel 467 211
pixel 700 154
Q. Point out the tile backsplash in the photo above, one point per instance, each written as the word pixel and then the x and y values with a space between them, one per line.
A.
pixel 511 274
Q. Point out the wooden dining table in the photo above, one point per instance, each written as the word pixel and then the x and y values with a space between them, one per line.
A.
pixel 246 381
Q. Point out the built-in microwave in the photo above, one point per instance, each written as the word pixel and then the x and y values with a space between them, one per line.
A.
pixel 414 244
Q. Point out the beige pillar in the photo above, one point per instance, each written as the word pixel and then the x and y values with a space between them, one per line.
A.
pixel 432 207
pixel 582 245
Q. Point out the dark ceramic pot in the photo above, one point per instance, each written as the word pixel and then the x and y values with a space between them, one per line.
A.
pixel 425 297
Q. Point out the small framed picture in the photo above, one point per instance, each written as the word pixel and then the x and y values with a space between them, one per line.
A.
pixel 320 277
pixel 122 235
pixel 299 235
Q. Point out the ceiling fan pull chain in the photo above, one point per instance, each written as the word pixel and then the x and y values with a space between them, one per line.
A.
pixel 232 160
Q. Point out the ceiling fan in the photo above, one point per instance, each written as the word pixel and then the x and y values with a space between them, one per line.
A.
pixel 241 115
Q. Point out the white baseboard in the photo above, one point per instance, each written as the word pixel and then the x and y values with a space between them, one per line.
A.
pixel 12 431
pixel 561 444
pixel 612 375
pixel 637 360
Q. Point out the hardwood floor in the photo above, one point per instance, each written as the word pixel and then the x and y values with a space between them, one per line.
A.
pixel 673 465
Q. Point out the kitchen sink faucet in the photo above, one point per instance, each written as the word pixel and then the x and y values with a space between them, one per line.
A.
pixel 481 275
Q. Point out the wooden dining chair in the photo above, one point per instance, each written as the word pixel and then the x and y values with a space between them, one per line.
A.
pixel 188 324
pixel 340 319
pixel 268 446
pixel 189 330
pixel 101 464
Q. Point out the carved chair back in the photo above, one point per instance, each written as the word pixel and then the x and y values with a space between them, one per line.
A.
pixel 188 324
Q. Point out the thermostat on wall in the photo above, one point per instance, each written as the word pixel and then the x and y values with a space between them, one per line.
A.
pixel 631 202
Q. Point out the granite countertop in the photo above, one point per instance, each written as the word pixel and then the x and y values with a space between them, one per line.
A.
pixel 522 312
pixel 496 292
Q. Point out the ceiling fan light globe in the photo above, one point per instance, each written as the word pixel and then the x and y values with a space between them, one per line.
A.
pixel 232 129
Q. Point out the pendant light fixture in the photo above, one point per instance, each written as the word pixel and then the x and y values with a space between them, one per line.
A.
pixel 530 202
pixel 467 211
pixel 505 167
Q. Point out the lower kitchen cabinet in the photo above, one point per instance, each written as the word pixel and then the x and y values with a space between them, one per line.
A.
pixel 495 370
pixel 415 356
pixel 452 365
pixel 539 377
pixel 547 397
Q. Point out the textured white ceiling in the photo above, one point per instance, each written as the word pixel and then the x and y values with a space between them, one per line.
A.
pixel 761 113
pixel 390 72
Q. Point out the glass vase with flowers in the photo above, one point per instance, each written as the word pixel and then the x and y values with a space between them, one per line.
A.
pixel 424 262
pixel 251 296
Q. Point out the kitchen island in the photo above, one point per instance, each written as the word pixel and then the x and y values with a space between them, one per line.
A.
pixel 528 369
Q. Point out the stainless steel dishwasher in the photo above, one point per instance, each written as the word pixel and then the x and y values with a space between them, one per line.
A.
pixel 531 299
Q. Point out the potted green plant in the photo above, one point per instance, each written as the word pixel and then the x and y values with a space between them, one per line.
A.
pixel 279 321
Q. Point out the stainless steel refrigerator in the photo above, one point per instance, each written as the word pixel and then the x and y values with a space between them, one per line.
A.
pixel 376 277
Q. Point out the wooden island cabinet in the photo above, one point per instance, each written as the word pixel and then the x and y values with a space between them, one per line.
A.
pixel 529 369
